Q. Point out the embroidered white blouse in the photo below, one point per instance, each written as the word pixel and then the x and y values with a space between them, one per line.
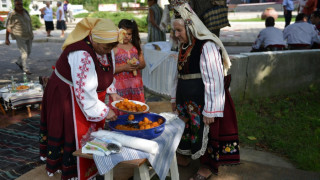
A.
pixel 85 83
pixel 213 79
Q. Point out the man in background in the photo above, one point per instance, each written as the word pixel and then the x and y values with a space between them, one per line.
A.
pixel 20 28
pixel 315 20
pixel 301 34
pixel 65 9
pixel 288 7
pixel 269 39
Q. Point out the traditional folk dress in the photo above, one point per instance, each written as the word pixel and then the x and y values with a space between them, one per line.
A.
pixel 73 106
pixel 201 90
pixel 127 85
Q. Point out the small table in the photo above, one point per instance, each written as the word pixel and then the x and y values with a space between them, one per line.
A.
pixel 163 161
pixel 11 99
pixel 140 167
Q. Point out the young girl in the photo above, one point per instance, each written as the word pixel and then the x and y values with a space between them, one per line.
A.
pixel 127 73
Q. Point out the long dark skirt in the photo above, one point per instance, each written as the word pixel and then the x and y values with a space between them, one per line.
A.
pixel 57 136
pixel 223 145
pixel 61 25
pixel 218 146
pixel 49 25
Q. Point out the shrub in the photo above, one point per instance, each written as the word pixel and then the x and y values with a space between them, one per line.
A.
pixel 117 16
pixel 35 21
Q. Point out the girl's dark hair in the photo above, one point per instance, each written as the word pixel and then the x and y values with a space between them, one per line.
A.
pixel 131 24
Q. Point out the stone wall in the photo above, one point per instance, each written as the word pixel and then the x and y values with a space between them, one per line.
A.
pixel 266 74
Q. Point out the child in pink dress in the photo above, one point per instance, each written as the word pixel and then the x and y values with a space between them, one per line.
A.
pixel 127 73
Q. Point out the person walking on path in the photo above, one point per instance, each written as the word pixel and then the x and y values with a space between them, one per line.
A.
pixel 270 38
pixel 288 7
pixel 48 18
pixel 154 18
pixel 65 9
pixel 61 24
pixel 20 28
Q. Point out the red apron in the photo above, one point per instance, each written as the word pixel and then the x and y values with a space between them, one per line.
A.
pixel 86 167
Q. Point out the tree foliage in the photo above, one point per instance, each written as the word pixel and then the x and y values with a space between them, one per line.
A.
pixel 26 4
pixel 92 5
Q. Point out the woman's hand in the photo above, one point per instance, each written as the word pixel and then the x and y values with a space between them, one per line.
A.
pixel 111 115
pixel 116 97
pixel 130 67
pixel 208 120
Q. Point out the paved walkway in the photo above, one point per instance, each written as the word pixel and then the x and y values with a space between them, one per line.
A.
pixel 254 164
pixel 240 33
pixel 45 51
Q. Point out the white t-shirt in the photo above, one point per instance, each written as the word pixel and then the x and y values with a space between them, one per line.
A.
pixel 58 13
pixel 48 14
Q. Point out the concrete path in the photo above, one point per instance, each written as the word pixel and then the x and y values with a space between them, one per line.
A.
pixel 254 164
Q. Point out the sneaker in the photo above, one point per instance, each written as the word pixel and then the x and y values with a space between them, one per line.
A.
pixel 18 64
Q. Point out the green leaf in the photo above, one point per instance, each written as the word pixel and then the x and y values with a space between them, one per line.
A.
pixel 252 138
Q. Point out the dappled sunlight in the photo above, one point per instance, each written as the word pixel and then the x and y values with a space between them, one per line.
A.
pixel 265 70
pixel 230 176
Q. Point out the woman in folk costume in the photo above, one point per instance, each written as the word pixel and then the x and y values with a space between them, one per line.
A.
pixel 201 96
pixel 73 101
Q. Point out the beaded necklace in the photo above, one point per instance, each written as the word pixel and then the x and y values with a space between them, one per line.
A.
pixel 107 67
pixel 183 57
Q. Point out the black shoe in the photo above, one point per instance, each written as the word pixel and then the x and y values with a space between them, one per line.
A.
pixel 20 66
pixel 28 72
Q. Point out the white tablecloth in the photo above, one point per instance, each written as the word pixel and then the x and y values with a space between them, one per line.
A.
pixel 19 98
pixel 160 67
pixel 168 142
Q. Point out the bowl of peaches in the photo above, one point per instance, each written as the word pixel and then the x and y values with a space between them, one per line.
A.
pixel 130 106
pixel 145 125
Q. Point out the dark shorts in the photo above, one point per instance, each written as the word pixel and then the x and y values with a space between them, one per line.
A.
pixel 61 25
pixel 49 25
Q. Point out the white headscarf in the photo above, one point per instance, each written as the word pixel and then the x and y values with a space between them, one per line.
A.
pixel 201 32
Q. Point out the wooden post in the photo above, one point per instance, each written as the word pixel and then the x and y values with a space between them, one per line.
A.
pixel 29 111
pixel 2 110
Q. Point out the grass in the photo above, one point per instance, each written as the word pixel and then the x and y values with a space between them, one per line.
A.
pixel 141 20
pixel 287 125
